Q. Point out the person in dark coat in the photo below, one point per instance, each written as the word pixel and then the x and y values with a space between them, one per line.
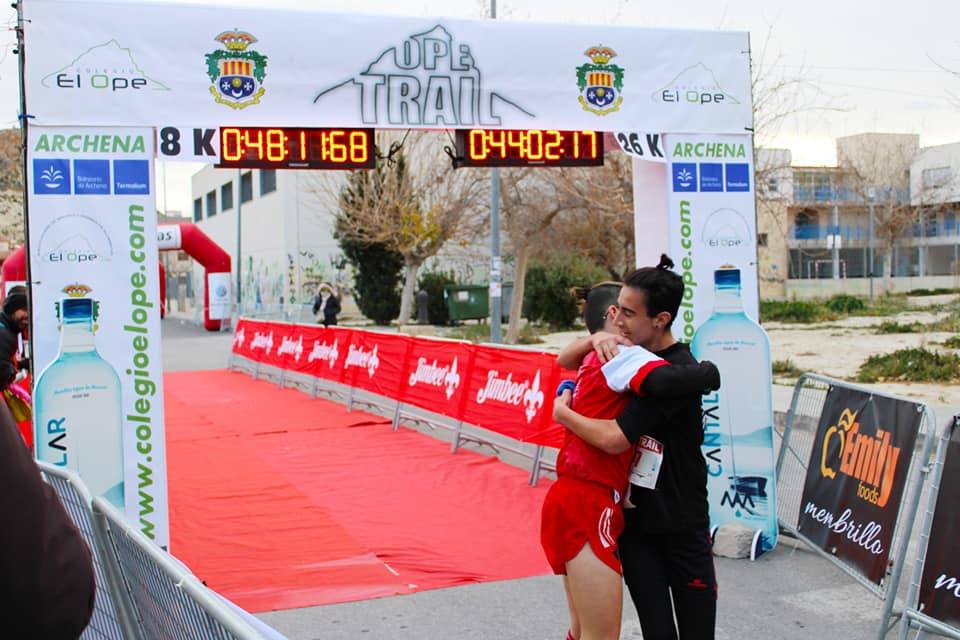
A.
pixel 326 303
pixel 47 582
pixel 14 322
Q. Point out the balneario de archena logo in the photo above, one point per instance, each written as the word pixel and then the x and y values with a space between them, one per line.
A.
pixel 857 475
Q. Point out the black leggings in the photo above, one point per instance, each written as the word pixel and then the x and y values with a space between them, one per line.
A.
pixel 678 565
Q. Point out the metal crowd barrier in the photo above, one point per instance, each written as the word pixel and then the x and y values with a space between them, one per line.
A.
pixel 143 593
pixel 797 442
pixel 112 614
pixel 913 616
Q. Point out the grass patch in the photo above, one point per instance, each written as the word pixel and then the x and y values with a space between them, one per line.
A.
pixel 843 303
pixel 786 368
pixel 953 342
pixel 897 327
pixel 950 324
pixel 911 365
pixel 804 311
pixel 476 333
pixel 930 292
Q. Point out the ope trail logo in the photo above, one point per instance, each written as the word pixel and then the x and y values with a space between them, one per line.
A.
pixel 429 78
pixel 438 376
pixel 507 391
pixel 323 351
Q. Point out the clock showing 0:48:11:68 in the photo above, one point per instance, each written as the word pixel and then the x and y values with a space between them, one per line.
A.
pixel 296 148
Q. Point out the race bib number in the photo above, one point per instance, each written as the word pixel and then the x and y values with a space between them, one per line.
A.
pixel 646 463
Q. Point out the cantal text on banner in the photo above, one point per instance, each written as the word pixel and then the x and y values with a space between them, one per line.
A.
pixel 96 315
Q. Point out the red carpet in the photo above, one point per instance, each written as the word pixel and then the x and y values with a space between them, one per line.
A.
pixel 280 501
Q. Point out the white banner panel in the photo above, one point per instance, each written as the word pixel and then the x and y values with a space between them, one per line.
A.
pixel 98 401
pixel 168 237
pixel 650 220
pixel 218 291
pixel 713 241
pixel 148 63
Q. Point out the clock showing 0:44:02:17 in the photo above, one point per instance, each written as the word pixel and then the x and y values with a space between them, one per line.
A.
pixel 296 148
pixel 528 147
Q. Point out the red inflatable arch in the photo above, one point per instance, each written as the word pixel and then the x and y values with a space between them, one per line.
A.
pixel 174 237
pixel 14 271
pixel 188 237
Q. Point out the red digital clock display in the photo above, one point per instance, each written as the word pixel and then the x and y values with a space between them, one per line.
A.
pixel 528 147
pixel 296 148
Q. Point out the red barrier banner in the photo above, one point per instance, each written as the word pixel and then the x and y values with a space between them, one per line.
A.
pixel 254 339
pixel 377 362
pixel 289 348
pixel 506 391
pixel 267 342
pixel 327 352
pixel 511 392
pixel 438 376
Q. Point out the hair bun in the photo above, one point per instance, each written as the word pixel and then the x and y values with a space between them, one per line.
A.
pixel 665 262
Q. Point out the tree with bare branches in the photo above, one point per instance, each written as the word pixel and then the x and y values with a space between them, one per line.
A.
pixel 417 210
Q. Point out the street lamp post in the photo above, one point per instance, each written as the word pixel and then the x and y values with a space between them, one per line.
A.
pixel 496 263
pixel 871 195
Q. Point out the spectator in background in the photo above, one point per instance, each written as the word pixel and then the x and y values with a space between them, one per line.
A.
pixel 47 583
pixel 327 304
pixel 14 323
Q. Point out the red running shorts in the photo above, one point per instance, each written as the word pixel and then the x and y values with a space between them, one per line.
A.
pixel 576 513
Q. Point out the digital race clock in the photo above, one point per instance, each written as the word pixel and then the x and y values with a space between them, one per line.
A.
pixel 528 147
pixel 296 148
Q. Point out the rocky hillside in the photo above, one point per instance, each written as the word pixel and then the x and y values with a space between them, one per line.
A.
pixel 11 189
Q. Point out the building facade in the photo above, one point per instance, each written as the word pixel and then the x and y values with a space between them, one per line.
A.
pixel 285 233
pixel 883 219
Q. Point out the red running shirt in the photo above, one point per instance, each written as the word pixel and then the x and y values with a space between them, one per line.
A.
pixel 601 393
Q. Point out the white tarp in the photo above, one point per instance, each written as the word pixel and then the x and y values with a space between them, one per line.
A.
pixel 141 64
pixel 93 235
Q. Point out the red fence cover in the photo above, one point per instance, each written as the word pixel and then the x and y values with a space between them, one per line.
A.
pixel 377 362
pixel 511 392
pixel 328 351
pixel 438 376
pixel 507 391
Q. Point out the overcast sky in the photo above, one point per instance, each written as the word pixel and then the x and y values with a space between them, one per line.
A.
pixel 868 66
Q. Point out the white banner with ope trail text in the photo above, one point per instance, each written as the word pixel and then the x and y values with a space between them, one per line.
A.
pixel 136 64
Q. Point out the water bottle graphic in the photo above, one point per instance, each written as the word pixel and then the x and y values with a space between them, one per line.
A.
pixel 77 401
pixel 738 418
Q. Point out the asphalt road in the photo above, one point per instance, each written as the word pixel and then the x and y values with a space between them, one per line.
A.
pixel 787 594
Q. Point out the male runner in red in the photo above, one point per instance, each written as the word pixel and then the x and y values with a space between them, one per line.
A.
pixel 582 513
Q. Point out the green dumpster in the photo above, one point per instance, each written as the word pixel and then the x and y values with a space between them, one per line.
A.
pixel 472 302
